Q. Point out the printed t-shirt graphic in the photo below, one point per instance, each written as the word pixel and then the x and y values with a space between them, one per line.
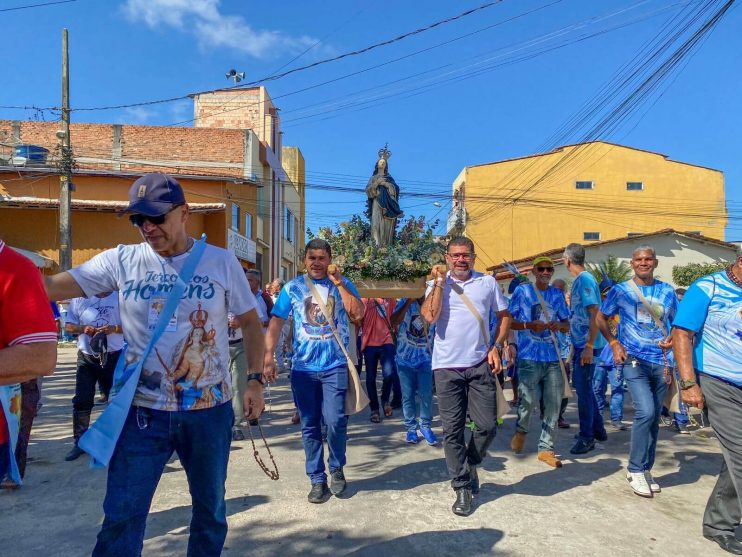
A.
pixel 524 307
pixel 713 306
pixel 189 367
pixel 414 340
pixel 585 292
pixel 314 345
pixel 96 312
pixel 637 331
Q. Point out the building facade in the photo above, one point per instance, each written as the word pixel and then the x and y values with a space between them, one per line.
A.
pixel 581 193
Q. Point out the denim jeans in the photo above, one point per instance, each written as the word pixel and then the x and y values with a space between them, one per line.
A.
pixel 372 356
pixel 201 438
pixel 537 380
pixel 605 375
pixel 320 395
pixel 460 392
pixel 647 387
pixel 591 419
pixel 416 381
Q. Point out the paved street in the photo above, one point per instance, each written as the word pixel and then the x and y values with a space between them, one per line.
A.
pixel 398 499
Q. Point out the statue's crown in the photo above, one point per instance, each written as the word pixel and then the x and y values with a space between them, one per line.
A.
pixel 385 153
pixel 198 317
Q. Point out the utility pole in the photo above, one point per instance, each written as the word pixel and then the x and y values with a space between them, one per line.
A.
pixel 66 162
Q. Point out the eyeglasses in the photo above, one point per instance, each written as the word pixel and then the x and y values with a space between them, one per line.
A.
pixel 464 256
pixel 545 269
pixel 137 219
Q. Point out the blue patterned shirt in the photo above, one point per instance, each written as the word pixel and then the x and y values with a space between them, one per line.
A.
pixel 712 308
pixel 584 294
pixel 314 345
pixel 524 307
pixel 414 339
pixel 637 331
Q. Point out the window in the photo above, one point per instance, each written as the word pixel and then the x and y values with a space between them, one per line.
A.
pixel 584 184
pixel 591 236
pixel 289 218
pixel 235 216
pixel 248 225
pixel 634 186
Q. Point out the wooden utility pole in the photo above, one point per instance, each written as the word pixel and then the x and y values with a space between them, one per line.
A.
pixel 65 156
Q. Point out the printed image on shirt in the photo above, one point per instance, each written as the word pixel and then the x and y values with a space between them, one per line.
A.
pixel 414 340
pixel 315 324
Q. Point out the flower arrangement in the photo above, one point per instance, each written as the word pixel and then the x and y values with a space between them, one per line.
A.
pixel 412 254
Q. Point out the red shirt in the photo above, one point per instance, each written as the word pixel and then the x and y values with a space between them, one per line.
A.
pixel 25 313
pixel 375 327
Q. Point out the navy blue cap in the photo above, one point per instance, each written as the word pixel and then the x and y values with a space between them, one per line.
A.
pixel 154 194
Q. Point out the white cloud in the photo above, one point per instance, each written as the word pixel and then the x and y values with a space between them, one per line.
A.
pixel 212 28
pixel 138 115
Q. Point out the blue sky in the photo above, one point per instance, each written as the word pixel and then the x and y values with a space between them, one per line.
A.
pixel 480 98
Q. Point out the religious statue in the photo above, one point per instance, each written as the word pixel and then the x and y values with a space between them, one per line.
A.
pixel 383 201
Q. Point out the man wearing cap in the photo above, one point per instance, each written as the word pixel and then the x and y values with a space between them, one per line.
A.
pixel 539 369
pixel 182 402
pixel 461 303
pixel 585 300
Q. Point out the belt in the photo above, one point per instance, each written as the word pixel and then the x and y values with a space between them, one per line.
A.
pixel 235 341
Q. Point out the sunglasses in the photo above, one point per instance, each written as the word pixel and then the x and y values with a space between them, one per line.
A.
pixel 464 256
pixel 137 219
pixel 545 269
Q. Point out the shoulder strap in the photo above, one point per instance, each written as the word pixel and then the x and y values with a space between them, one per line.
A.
pixel 175 295
pixel 330 320
pixel 545 310
pixel 648 307
pixel 467 302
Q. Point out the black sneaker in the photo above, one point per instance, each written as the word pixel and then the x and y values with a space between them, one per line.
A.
pixel 601 436
pixel 474 479
pixel 462 505
pixel 582 447
pixel 337 482
pixel 318 493
pixel 75 453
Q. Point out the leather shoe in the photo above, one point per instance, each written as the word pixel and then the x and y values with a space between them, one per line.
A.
pixel 462 505
pixel 474 480
pixel 75 453
pixel 727 542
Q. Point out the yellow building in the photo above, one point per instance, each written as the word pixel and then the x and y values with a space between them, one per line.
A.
pixel 581 193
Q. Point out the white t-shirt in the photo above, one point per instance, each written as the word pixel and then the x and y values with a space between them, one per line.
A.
pixel 189 367
pixel 96 312
pixel 262 309
pixel 458 338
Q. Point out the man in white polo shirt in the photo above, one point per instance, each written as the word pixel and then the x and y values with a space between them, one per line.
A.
pixel 464 365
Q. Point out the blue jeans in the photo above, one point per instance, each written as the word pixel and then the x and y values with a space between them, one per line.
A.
pixel 320 395
pixel 647 387
pixel 540 380
pixel 416 381
pixel 372 356
pixel 591 419
pixel 201 438
pixel 605 375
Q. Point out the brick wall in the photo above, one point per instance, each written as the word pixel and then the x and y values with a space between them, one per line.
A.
pixel 237 109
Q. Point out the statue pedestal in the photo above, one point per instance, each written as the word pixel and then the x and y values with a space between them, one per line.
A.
pixel 390 288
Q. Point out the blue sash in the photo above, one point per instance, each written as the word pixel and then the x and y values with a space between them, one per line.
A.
pixel 10 396
pixel 100 440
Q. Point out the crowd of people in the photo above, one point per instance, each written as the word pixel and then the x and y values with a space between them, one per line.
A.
pixel 184 340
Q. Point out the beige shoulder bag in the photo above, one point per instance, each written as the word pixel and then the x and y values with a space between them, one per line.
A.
pixel 672 398
pixel 545 309
pixel 356 398
pixel 502 404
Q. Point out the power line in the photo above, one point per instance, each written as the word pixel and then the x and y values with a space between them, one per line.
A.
pixel 36 5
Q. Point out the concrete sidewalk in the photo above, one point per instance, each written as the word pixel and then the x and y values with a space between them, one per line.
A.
pixel 398 499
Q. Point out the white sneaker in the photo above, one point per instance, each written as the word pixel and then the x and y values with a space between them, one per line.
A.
pixel 653 485
pixel 638 482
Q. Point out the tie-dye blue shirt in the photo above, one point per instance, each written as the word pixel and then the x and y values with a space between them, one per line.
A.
pixel 585 293
pixel 525 307
pixel 637 331
pixel 712 308
pixel 414 341
pixel 314 345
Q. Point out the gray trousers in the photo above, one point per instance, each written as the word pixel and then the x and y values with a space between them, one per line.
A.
pixel 724 507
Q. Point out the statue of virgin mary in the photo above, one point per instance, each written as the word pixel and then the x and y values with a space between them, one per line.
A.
pixel 383 201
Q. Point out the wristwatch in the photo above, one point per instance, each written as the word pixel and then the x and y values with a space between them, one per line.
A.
pixel 256 377
pixel 686 384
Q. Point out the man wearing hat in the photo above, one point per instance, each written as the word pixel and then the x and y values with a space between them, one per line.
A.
pixel 585 301
pixel 182 401
pixel 539 311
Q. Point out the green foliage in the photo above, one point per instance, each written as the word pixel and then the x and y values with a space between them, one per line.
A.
pixel 619 271
pixel 412 254
pixel 685 275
